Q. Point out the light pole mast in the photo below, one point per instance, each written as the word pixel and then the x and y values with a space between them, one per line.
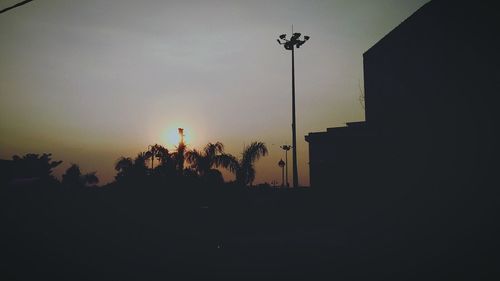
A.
pixel 282 166
pixel 290 45
pixel 286 147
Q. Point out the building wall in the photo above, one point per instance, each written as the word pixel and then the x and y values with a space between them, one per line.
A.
pixel 432 88
pixel 429 88
pixel 337 156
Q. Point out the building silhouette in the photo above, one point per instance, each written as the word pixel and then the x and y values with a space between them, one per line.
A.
pixel 432 88
pixel 335 155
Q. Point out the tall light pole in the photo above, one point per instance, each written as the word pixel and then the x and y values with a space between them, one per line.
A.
pixel 282 166
pixel 286 148
pixel 290 45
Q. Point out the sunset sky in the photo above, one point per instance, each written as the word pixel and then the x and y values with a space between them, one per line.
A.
pixel 90 81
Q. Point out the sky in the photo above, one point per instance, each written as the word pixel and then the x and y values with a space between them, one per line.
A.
pixel 90 81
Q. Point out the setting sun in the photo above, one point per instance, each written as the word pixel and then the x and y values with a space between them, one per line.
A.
pixel 171 136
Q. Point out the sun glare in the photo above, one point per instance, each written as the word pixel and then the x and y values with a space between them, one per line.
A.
pixel 171 136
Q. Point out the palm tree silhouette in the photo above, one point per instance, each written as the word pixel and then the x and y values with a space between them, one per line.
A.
pixel 166 162
pixel 179 156
pixel 140 161
pixel 204 161
pixel 162 154
pixel 131 169
pixel 156 151
pixel 243 168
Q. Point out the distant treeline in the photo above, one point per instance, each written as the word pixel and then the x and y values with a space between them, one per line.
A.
pixel 157 165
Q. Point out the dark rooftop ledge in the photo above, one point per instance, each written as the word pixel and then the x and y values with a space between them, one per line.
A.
pixel 351 129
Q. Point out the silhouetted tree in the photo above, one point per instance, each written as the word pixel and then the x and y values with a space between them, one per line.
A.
pixel 132 170
pixel 156 151
pixel 214 176
pixel 162 154
pixel 164 159
pixel 243 168
pixel 179 157
pixel 189 175
pixel 91 179
pixel 167 166
pixel 73 177
pixel 35 166
pixel 204 161
pixel 123 166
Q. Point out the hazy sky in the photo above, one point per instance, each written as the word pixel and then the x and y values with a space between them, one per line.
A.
pixel 92 80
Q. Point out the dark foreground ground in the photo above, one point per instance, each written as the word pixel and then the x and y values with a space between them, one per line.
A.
pixel 216 233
